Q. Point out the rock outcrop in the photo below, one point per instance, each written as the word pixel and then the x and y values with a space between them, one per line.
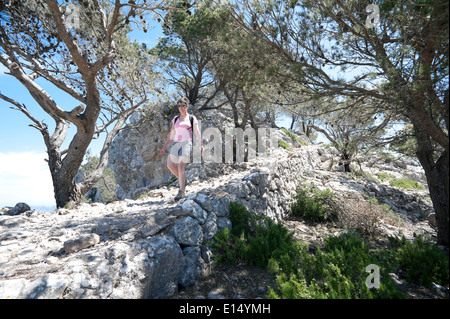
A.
pixel 152 246
pixel 20 208
pixel 135 158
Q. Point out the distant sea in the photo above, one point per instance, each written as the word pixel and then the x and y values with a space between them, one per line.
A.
pixel 44 208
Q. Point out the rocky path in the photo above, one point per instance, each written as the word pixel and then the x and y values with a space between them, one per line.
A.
pixel 96 250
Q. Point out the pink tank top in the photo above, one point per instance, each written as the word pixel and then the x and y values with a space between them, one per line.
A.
pixel 183 130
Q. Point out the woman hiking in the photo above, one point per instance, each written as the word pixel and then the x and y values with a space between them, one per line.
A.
pixel 182 137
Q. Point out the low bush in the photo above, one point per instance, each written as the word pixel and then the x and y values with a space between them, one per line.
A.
pixel 311 204
pixel 423 262
pixel 253 238
pixel 363 214
pixel 384 176
pixel 337 272
pixel 284 145
pixel 290 134
pixel 399 182
pixel 405 183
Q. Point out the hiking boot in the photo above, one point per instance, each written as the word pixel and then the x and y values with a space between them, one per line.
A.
pixel 181 194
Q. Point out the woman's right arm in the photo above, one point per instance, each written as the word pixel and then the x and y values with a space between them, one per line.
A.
pixel 169 138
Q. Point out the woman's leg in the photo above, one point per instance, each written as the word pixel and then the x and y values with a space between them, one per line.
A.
pixel 182 160
pixel 172 166
pixel 182 174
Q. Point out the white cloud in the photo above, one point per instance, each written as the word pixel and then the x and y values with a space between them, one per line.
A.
pixel 25 177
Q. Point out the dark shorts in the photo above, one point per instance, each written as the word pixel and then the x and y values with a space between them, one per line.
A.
pixel 181 149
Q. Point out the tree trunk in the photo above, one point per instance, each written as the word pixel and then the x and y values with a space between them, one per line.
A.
pixel 436 173
pixel 67 191
pixel 64 169
pixel 193 91
pixel 439 195
pixel 293 120
pixel 63 175
pixel 346 162
pixel 64 186
pixel 246 113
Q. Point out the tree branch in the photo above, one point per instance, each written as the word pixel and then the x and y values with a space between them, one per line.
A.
pixel 67 37
pixel 22 108
pixel 38 93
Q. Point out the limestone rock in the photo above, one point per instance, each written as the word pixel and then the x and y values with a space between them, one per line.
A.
pixel 49 286
pixel 187 231
pixel 81 242
pixel 195 266
pixel 20 208
pixel 191 208
pixel 135 159
pixel 167 265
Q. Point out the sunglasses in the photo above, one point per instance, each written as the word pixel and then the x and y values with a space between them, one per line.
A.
pixel 182 105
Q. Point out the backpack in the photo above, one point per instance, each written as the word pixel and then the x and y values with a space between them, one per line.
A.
pixel 191 119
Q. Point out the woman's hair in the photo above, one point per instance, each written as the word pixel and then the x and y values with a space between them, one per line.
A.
pixel 183 100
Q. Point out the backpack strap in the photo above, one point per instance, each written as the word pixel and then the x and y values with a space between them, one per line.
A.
pixel 191 119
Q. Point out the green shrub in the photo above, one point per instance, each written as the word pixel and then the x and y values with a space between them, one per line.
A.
pixel 384 176
pixel 311 204
pixel 291 135
pixel 223 247
pixel 254 239
pixel 284 145
pixel 405 183
pixel 423 261
pixel 399 182
pixel 349 253
pixel 337 272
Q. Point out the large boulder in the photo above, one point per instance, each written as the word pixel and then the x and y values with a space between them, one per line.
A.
pixel 20 208
pixel 135 159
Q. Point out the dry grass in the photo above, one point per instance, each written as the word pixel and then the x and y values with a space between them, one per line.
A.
pixel 353 211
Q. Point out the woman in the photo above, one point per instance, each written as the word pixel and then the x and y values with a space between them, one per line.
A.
pixel 180 151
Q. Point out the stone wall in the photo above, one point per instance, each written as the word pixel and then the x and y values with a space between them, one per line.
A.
pixel 267 189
